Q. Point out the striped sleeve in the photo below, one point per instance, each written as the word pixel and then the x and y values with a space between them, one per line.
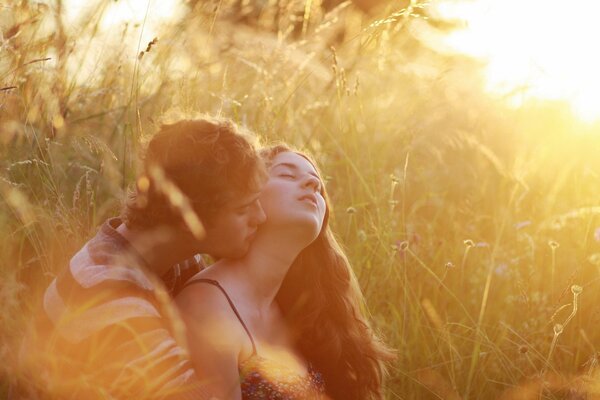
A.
pixel 111 336
pixel 178 275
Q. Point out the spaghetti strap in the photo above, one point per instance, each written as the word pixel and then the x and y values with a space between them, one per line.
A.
pixel 237 314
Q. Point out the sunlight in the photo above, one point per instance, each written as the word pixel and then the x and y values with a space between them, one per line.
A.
pixel 533 48
pixel 144 17
pixel 122 30
pixel 135 11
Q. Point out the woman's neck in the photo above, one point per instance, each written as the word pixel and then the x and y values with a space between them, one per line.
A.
pixel 262 270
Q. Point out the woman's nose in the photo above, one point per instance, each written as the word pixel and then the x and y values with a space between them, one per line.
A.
pixel 311 182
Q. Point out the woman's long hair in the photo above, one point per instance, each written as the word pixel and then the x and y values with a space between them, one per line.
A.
pixel 323 305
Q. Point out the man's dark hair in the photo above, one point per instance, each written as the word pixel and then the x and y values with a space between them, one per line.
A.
pixel 210 161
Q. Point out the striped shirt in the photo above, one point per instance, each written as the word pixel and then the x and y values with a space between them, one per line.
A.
pixel 111 330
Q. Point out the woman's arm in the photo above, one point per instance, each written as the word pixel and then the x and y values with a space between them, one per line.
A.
pixel 213 338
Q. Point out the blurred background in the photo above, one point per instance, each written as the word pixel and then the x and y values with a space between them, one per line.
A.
pixel 460 142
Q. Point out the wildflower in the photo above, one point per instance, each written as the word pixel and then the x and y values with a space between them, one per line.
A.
pixel 553 244
pixel 595 259
pixel 522 224
pixel 351 210
pixel 362 235
pixel 449 265
pixel 557 224
pixel 523 349
pixel 415 238
pixel 469 243
pixel 576 289
pixel 501 269
pixel 400 246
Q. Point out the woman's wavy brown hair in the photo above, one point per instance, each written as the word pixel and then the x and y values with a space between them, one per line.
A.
pixel 323 305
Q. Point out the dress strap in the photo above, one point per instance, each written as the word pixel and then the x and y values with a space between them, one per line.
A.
pixel 237 314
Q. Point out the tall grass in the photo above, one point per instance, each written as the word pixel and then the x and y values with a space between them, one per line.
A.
pixel 445 199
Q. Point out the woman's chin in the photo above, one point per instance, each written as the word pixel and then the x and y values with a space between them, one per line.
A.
pixel 311 231
pixel 303 227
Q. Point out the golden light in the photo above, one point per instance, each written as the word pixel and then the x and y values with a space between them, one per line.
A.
pixel 542 49
pixel 150 13
pixel 145 15
pixel 124 27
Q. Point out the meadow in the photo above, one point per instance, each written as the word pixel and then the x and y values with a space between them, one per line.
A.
pixel 473 226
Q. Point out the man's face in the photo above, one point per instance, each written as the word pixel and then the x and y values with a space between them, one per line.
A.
pixel 233 227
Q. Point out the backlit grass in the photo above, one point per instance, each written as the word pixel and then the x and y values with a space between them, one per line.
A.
pixel 474 228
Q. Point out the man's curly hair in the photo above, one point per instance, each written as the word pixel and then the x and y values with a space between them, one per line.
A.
pixel 209 160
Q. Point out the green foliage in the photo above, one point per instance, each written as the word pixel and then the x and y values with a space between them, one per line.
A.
pixel 445 199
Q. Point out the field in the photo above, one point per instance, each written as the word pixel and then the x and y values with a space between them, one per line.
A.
pixel 473 226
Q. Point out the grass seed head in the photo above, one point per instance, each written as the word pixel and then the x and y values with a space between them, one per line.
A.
pixel 558 329
pixel 576 289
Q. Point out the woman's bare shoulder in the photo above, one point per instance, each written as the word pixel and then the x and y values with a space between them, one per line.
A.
pixel 215 340
pixel 203 296
pixel 208 314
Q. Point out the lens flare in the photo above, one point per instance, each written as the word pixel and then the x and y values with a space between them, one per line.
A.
pixel 536 49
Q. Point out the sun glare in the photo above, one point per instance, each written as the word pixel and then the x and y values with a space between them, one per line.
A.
pixel 144 17
pixel 124 28
pixel 154 12
pixel 541 49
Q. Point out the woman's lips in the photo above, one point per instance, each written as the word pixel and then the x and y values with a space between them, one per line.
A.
pixel 309 198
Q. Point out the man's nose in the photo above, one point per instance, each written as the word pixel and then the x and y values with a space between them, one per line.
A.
pixel 259 214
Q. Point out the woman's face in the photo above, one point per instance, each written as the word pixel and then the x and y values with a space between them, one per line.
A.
pixel 292 195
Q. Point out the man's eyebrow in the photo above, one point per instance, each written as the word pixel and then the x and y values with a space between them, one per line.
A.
pixel 248 202
pixel 294 167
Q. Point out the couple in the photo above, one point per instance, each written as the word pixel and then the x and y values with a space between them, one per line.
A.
pixel 277 316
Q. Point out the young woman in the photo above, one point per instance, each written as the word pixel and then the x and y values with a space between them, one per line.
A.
pixel 285 320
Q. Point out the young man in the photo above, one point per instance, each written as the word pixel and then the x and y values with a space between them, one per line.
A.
pixel 111 331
